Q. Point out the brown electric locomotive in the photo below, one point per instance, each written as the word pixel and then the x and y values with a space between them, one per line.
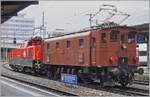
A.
pixel 106 54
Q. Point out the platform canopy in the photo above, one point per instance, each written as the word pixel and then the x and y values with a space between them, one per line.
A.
pixel 10 8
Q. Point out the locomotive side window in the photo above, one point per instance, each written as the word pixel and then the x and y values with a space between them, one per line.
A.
pixel 81 43
pixel 131 37
pixel 57 44
pixel 113 36
pixel 68 44
pixel 94 42
pixel 122 38
pixel 103 37
pixel 48 45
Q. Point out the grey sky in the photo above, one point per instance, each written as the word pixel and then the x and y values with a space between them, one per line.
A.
pixel 70 15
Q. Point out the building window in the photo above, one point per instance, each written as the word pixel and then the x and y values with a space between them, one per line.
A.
pixel 103 37
pixel 14 41
pixel 131 37
pixel 113 36
pixel 81 43
pixel 142 53
pixel 57 44
pixel 48 45
pixel 68 44
pixel 94 42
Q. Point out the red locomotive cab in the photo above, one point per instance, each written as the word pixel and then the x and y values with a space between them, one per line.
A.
pixel 33 49
pixel 38 54
pixel 34 52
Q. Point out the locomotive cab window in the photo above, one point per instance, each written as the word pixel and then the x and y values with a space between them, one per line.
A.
pixel 131 37
pixel 122 38
pixel 113 36
pixel 103 37
pixel 57 44
pixel 81 43
pixel 68 44
pixel 94 42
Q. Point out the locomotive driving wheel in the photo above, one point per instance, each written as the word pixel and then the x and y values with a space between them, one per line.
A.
pixel 49 74
pixel 124 77
pixel 124 81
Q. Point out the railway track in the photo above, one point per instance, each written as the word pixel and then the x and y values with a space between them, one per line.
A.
pixel 141 82
pixel 131 91
pixel 127 91
pixel 52 84
pixel 61 93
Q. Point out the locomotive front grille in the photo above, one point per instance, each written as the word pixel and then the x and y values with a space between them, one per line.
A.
pixel 123 62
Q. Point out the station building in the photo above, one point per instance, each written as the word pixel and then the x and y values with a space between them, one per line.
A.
pixel 14 32
pixel 143 46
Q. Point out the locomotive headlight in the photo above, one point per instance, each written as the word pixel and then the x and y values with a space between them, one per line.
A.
pixel 113 59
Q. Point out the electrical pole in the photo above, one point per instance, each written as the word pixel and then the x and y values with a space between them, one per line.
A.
pixel 6 46
pixel 43 27
pixel 0 31
pixel 4 50
pixel 0 45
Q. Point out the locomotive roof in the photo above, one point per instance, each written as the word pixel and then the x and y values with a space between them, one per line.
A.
pixel 72 35
pixel 82 33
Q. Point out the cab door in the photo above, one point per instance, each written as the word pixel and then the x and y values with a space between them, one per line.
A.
pixel 93 51
pixel 47 52
pixel 103 49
